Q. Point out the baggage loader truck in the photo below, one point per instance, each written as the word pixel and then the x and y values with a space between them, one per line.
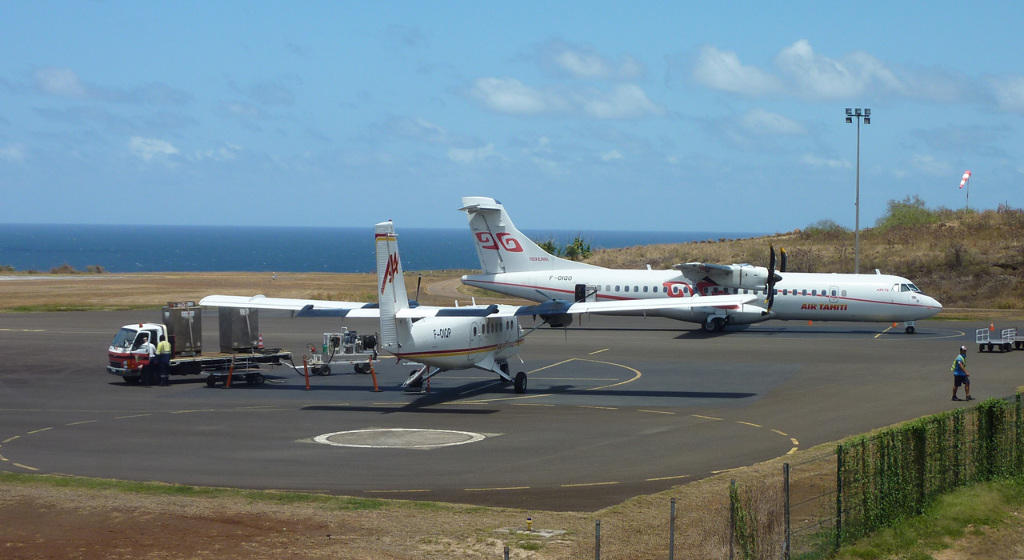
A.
pixel 241 346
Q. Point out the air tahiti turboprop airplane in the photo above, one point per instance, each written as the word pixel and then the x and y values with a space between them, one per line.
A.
pixel 514 265
pixel 452 338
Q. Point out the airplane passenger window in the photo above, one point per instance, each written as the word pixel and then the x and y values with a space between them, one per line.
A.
pixel 814 292
pixel 474 330
pixel 645 289
pixel 636 288
pixel 625 288
pixel 805 292
pixel 616 288
pixel 607 288
pixel 844 293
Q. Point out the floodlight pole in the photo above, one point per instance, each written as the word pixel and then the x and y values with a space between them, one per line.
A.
pixel 850 115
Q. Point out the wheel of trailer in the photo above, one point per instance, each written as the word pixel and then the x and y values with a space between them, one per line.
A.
pixel 910 330
pixel 360 369
pixel 1006 347
pixel 989 346
pixel 325 369
pixel 211 381
pixel 255 378
pixel 520 382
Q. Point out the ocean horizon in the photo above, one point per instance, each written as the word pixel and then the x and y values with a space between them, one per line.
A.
pixel 156 248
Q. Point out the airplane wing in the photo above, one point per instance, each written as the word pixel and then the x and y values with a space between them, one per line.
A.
pixel 706 268
pixel 303 307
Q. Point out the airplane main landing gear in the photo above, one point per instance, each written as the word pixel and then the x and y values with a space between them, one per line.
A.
pixel 713 324
pixel 520 382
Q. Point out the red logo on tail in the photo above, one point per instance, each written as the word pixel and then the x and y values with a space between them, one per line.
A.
pixel 390 271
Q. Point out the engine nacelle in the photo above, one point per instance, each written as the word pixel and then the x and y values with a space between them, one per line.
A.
pixel 746 277
pixel 557 320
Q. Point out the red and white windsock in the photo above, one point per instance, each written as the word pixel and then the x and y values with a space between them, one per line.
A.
pixel 967 175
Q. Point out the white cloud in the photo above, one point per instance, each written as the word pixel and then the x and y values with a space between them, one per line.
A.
pixel 228 152
pixel 818 161
pixel 471 155
pixel 930 166
pixel 765 123
pixel 822 78
pixel 14 153
pixel 150 148
pixel 623 102
pixel 722 70
pixel 63 82
pixel 511 96
pixel 586 63
pixel 1008 92
pixel 612 155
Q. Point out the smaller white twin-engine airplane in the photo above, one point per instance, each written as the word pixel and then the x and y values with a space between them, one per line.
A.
pixel 512 264
pixel 454 338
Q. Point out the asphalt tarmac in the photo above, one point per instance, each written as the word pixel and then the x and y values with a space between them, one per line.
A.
pixel 616 407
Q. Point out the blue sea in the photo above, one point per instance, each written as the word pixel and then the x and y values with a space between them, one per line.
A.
pixel 138 248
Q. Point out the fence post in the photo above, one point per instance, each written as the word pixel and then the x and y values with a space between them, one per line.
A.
pixel 732 518
pixel 672 530
pixel 506 553
pixel 785 492
pixel 839 496
pixel 597 540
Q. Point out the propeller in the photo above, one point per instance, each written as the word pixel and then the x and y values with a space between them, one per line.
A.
pixel 782 260
pixel 773 277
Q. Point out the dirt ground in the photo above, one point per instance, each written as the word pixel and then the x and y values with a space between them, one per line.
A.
pixel 44 521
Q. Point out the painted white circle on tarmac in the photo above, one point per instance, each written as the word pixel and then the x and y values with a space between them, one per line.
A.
pixel 399 438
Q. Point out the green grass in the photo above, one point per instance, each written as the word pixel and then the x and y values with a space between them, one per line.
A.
pixel 949 518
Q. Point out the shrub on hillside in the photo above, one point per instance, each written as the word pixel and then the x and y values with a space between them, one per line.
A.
pixel 909 212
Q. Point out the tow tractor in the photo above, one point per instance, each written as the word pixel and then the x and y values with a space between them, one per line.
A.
pixel 343 348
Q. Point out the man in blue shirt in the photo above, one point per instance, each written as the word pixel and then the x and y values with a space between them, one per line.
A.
pixel 960 375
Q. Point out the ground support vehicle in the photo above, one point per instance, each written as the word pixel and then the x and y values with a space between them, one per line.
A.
pixel 241 349
pixel 347 348
pixel 1006 341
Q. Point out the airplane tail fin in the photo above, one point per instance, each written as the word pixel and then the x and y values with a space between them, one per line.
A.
pixel 503 248
pixel 391 292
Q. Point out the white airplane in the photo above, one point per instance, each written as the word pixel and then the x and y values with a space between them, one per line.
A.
pixel 512 264
pixel 454 338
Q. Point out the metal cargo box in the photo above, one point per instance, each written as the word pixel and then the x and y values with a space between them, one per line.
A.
pixel 239 329
pixel 185 327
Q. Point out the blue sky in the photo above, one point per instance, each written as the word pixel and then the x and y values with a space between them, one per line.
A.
pixel 576 115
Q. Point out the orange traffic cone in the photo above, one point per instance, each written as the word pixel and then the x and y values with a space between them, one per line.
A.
pixel 991 326
pixel 260 344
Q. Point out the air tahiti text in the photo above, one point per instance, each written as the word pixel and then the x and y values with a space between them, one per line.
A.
pixel 823 307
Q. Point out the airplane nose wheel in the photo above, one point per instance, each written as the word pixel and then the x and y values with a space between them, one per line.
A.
pixel 520 382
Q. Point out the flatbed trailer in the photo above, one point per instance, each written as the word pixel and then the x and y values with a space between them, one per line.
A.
pixel 1007 340
pixel 241 354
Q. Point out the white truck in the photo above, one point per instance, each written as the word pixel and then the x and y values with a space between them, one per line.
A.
pixel 241 346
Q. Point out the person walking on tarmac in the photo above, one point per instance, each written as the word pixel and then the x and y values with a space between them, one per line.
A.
pixel 960 375
pixel 163 356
